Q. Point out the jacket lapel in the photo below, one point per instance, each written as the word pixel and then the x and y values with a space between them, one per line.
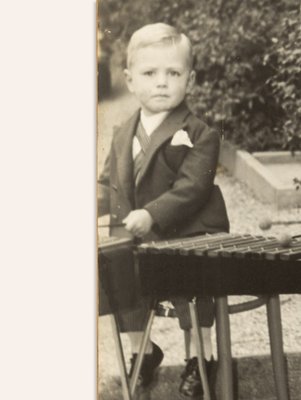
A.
pixel 165 131
pixel 123 145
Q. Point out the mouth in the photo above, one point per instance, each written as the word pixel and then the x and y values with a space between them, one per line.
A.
pixel 160 96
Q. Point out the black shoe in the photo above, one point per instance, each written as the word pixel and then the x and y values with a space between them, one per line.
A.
pixel 149 365
pixel 191 385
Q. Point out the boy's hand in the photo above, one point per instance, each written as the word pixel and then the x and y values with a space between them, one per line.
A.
pixel 138 222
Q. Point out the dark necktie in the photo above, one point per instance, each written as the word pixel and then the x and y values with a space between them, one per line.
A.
pixel 144 141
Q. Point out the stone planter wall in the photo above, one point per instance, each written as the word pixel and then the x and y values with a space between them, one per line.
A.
pixel 256 172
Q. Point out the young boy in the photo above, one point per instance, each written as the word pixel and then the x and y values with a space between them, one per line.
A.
pixel 159 176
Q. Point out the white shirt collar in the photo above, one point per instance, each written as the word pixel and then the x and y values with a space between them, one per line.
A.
pixel 150 123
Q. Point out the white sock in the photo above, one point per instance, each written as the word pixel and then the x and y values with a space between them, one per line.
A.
pixel 207 344
pixel 135 339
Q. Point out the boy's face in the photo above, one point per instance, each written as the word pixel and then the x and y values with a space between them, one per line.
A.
pixel 160 77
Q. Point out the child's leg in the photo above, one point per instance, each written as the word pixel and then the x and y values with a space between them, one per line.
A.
pixel 133 322
pixel 136 339
pixel 205 309
pixel 206 335
pixel 191 384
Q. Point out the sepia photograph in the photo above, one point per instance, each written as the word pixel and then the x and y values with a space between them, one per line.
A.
pixel 198 199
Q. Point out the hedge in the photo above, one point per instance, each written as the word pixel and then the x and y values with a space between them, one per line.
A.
pixel 247 60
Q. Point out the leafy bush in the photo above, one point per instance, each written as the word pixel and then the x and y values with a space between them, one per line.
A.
pixel 285 83
pixel 247 60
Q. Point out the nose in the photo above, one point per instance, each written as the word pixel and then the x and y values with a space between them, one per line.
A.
pixel 162 80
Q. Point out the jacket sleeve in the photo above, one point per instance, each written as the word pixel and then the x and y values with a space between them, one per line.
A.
pixel 193 183
pixel 103 190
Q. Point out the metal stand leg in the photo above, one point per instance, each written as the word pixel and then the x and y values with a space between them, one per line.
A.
pixel 187 344
pixel 276 343
pixel 120 358
pixel 223 338
pixel 199 349
pixel 141 352
pixel 128 390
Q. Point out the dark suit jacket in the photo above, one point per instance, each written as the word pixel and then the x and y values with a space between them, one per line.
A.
pixel 176 183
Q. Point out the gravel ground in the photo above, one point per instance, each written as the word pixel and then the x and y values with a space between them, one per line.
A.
pixel 248 330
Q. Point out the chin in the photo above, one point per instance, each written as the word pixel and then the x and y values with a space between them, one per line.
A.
pixel 162 107
pixel 156 110
pixel 159 110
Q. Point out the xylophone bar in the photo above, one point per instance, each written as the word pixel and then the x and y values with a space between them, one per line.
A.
pixel 223 264
pixel 171 246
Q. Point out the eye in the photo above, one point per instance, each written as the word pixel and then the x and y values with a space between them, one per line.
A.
pixel 148 73
pixel 174 73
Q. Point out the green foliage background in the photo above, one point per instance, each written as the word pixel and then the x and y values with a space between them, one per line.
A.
pixel 247 59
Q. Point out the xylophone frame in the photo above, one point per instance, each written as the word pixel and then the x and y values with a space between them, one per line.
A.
pixel 205 262
pixel 222 311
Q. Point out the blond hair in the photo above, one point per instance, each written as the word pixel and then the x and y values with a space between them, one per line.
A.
pixel 154 34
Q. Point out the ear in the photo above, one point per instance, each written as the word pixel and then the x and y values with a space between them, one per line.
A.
pixel 128 79
pixel 191 81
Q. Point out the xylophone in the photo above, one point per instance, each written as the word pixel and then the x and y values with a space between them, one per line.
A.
pixel 225 264
pixel 214 264
pixel 117 278
pixel 218 265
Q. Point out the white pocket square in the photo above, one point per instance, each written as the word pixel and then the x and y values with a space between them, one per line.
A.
pixel 181 138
